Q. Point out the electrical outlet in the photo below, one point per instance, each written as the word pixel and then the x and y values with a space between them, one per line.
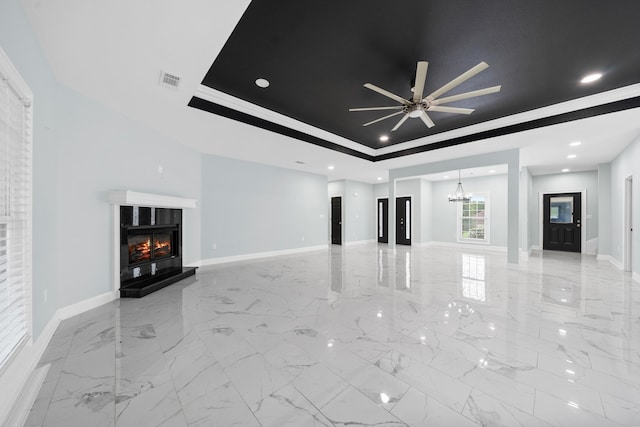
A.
pixel 303 238
pixel 214 246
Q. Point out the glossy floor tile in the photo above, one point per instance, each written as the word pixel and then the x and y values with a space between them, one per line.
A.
pixel 358 336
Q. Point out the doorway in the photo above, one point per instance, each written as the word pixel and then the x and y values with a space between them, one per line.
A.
pixel 336 220
pixel 383 221
pixel 562 222
pixel 403 220
pixel 628 223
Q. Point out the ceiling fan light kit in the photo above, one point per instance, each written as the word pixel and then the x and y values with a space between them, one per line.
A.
pixel 417 106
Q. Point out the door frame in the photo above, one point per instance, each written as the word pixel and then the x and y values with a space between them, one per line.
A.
pixel 627 224
pixel 411 224
pixel 583 215
pixel 378 198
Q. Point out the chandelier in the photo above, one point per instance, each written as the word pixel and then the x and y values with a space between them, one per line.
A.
pixel 459 195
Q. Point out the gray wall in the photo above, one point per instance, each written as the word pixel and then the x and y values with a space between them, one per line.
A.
pixel 82 150
pixel 444 225
pixel 426 211
pixel 359 212
pixel 604 209
pixel 358 209
pixel 250 208
pixel 567 182
pixel 627 163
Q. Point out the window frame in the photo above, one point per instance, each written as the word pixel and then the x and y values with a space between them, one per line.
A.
pixel 12 82
pixel 487 220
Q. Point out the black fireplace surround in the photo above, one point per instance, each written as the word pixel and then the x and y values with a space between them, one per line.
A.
pixel 150 250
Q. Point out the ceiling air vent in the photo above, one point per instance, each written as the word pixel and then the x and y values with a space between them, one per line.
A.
pixel 169 80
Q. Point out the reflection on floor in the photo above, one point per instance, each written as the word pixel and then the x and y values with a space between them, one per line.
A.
pixel 358 336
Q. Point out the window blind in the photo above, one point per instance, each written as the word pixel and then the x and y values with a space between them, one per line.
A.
pixel 15 214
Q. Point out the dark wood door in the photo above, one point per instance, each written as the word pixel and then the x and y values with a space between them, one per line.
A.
pixel 383 221
pixel 562 222
pixel 403 220
pixel 336 220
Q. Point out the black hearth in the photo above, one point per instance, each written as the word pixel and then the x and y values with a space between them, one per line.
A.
pixel 150 250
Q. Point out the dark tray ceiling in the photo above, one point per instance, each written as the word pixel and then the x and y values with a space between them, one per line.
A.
pixel 317 56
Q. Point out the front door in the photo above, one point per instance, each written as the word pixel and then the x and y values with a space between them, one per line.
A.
pixel 336 220
pixel 383 222
pixel 562 222
pixel 403 220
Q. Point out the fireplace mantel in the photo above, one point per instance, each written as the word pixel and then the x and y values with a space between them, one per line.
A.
pixel 118 198
pixel 134 198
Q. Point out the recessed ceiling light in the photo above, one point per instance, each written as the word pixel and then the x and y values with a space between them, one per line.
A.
pixel 331 167
pixel 571 156
pixel 379 178
pixel 575 143
pixel 384 138
pixel 591 78
pixel 565 170
pixel 446 177
pixel 492 171
pixel 263 83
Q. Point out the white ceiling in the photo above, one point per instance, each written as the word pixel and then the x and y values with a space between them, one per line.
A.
pixel 113 52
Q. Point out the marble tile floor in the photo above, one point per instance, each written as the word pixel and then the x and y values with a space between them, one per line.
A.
pixel 358 336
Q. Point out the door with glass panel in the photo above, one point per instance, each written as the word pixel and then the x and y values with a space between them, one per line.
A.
pixel 562 222
pixel 383 222
pixel 403 220
pixel 336 220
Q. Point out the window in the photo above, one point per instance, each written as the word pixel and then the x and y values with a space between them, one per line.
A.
pixel 473 219
pixel 15 211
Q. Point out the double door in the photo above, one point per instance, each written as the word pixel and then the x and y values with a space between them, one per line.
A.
pixel 403 220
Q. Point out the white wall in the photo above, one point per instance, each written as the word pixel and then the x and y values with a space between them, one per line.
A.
pixel 249 208
pixel 567 182
pixel 444 225
pixel 627 163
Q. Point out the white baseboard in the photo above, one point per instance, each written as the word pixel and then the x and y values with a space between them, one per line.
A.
pixel 258 255
pixel 86 305
pixel 611 259
pixel 468 246
pixel 592 247
pixel 616 263
pixel 22 380
pixel 16 378
pixel 535 248
pixel 360 242
pixel 20 411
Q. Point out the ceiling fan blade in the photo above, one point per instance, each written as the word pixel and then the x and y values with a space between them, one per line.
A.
pixel 382 118
pixel 387 93
pixel 421 76
pixel 402 120
pixel 397 107
pixel 466 95
pixel 427 120
pixel 453 110
pixel 461 78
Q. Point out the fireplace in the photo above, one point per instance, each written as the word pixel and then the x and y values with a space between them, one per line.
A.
pixel 150 249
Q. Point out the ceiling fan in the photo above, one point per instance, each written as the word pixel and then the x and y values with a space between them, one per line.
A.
pixel 418 106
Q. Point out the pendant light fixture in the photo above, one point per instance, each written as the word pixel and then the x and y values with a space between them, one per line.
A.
pixel 459 195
